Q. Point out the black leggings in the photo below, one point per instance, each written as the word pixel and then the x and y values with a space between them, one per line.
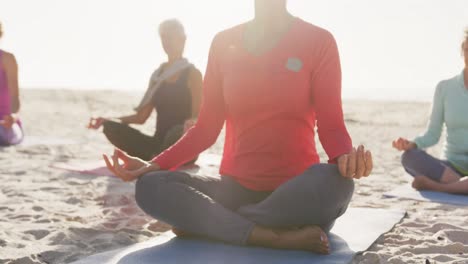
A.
pixel 138 144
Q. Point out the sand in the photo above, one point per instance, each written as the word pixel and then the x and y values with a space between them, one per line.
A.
pixel 51 216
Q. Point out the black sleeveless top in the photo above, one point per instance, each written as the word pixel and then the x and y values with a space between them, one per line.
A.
pixel 173 103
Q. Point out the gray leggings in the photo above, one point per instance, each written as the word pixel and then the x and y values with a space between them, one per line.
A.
pixel 418 163
pixel 222 209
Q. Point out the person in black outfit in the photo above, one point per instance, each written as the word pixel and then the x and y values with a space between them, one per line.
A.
pixel 174 92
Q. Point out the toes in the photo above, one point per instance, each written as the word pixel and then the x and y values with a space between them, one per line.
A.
pixel 322 245
pixel 417 183
pixel 324 250
pixel 178 232
pixel 324 238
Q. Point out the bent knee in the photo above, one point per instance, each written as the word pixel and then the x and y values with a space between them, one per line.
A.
pixel 109 128
pixel 410 157
pixel 330 183
pixel 147 189
pixel 329 175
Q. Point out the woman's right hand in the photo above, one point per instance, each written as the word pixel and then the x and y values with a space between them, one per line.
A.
pixel 96 123
pixel 7 121
pixel 132 167
pixel 402 144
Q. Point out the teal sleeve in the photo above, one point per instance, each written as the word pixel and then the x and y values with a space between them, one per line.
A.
pixel 434 129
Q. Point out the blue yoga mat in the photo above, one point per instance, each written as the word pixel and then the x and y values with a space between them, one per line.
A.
pixel 354 232
pixel 408 192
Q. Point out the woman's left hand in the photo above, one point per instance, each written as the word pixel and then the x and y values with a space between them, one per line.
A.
pixel 356 164
pixel 132 167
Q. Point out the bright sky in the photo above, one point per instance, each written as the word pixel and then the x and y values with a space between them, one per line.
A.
pixel 390 49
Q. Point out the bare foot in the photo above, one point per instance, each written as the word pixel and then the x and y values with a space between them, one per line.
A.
pixel 309 238
pixel 421 183
pixel 181 233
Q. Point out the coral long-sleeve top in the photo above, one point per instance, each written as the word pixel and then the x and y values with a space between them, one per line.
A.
pixel 271 104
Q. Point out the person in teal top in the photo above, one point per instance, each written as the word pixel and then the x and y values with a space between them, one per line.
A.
pixel 450 107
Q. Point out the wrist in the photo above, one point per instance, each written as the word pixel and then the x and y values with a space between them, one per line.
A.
pixel 151 166
pixel 155 166
pixel 338 157
pixel 191 120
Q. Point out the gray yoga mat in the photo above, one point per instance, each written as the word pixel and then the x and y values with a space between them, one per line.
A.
pixel 408 192
pixel 354 232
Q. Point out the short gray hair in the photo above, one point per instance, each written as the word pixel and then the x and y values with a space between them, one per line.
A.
pixel 171 25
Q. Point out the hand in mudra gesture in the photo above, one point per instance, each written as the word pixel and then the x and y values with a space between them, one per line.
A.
pixel 356 164
pixel 131 168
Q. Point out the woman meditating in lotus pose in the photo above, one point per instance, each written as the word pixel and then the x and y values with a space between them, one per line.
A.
pixel 11 132
pixel 271 80
pixel 174 90
pixel 450 107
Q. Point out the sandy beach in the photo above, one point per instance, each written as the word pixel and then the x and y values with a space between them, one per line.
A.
pixel 51 216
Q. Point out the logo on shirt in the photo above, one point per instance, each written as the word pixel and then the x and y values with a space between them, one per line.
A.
pixel 294 64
